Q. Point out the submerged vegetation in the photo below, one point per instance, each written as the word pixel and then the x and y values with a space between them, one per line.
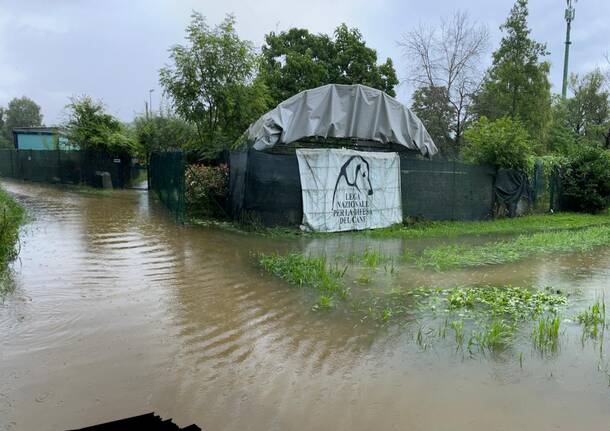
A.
pixel 12 216
pixel 308 271
pixel 593 320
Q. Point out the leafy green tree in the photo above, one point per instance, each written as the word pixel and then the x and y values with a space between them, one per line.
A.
pixel 503 143
pixel 91 128
pixel 297 60
pixel 588 111
pixel 21 112
pixel 163 132
pixel 5 142
pixel 211 82
pixel 561 138
pixel 433 108
pixel 586 180
pixel 517 84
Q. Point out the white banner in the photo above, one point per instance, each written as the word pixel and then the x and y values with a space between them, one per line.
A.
pixel 349 190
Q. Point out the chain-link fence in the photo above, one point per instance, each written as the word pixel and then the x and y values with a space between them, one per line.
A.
pixel 166 170
pixel 546 189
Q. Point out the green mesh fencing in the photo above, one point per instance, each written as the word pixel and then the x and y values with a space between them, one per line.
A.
pixel 547 189
pixel 166 170
pixel 68 167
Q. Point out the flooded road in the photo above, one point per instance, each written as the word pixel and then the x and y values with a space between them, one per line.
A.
pixel 117 311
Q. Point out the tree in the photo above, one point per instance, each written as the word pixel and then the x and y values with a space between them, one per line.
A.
pixel 588 111
pixel 586 180
pixel 5 142
pixel 211 82
pixel 517 84
pixel 163 132
pixel 91 128
pixel 297 60
pixel 503 143
pixel 21 112
pixel 435 110
pixel 562 139
pixel 446 59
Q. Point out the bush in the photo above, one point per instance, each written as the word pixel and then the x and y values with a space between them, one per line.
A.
pixel 586 180
pixel 206 190
pixel 503 143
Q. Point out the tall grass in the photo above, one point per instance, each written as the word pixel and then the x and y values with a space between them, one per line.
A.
pixel 546 334
pixel 593 319
pixel 12 215
pixel 499 252
pixel 313 272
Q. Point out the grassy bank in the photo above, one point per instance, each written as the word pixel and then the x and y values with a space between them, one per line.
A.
pixel 434 229
pixel 499 252
pixel 12 216
pixel 507 226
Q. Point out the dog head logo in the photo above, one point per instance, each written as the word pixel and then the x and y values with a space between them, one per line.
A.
pixel 355 173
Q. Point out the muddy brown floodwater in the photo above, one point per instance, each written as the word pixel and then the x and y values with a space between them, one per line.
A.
pixel 117 312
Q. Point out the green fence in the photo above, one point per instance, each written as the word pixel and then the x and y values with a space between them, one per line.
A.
pixel 546 189
pixel 166 175
pixel 69 167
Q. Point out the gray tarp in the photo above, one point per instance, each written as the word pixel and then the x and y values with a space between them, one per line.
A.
pixel 341 111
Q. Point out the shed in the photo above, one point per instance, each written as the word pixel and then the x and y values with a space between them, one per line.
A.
pixel 41 138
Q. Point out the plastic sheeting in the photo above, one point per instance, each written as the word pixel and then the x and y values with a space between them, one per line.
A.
pixel 510 187
pixel 342 111
pixel 349 190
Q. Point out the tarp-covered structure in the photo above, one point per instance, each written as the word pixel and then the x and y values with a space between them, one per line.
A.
pixel 341 111
pixel 265 186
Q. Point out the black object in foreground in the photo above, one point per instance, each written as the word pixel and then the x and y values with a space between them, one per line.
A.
pixel 149 422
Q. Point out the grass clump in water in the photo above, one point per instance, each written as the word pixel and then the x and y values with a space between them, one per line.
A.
pixel 308 271
pixel 12 216
pixel 495 336
pixel 455 256
pixel 593 319
pixel 546 334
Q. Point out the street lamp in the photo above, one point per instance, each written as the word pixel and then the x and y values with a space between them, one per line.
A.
pixel 569 16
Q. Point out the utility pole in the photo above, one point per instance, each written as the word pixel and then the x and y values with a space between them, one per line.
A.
pixel 150 100
pixel 569 16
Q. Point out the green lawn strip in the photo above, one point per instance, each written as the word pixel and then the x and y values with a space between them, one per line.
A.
pixel 12 215
pixel 430 229
pixel 499 252
pixel 508 226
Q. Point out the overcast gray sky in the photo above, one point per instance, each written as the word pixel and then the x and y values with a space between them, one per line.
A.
pixel 113 49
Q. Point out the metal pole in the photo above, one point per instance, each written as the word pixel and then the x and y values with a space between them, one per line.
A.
pixel 150 100
pixel 569 16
